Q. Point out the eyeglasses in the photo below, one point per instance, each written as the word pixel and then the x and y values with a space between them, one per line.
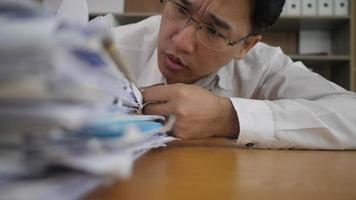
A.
pixel 209 36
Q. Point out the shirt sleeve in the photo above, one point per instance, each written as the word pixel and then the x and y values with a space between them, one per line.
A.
pixel 251 113
pixel 295 108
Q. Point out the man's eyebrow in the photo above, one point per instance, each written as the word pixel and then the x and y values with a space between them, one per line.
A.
pixel 219 22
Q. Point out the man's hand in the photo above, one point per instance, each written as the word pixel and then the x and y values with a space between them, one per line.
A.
pixel 199 113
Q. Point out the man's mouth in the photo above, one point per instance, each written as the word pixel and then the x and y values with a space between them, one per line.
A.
pixel 173 63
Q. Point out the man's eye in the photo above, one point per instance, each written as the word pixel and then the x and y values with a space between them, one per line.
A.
pixel 182 11
pixel 212 31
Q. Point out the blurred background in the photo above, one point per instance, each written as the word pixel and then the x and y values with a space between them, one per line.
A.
pixel 320 33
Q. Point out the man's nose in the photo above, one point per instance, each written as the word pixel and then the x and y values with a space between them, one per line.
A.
pixel 185 38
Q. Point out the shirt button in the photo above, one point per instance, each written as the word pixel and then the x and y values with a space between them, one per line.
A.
pixel 250 144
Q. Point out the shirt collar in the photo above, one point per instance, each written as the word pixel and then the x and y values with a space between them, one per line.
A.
pixel 221 78
pixel 151 74
pixel 208 82
pixel 225 76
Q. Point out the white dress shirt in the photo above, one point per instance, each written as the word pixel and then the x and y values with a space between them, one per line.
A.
pixel 280 103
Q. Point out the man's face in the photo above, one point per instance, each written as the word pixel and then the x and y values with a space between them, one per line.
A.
pixel 182 58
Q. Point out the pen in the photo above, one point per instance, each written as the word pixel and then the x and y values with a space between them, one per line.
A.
pixel 111 48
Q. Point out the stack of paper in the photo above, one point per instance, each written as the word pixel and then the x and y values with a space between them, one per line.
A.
pixel 66 110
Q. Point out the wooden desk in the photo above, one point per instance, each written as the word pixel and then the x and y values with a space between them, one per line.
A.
pixel 215 169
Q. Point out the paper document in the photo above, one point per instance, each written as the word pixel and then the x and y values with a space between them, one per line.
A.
pixel 70 115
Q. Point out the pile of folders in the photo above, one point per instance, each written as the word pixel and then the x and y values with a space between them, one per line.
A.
pixel 69 118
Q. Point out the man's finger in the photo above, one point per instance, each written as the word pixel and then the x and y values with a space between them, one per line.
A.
pixel 161 93
pixel 163 109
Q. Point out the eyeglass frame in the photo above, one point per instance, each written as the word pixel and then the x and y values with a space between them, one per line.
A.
pixel 190 18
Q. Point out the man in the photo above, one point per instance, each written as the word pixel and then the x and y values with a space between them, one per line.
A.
pixel 212 72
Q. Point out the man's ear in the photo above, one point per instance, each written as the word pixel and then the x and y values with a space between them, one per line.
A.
pixel 247 45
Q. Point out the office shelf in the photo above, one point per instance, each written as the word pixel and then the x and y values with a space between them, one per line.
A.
pixel 338 67
pixel 322 58
pixel 290 23
pixel 128 18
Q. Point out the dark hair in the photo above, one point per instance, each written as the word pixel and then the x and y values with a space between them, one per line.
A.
pixel 265 14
